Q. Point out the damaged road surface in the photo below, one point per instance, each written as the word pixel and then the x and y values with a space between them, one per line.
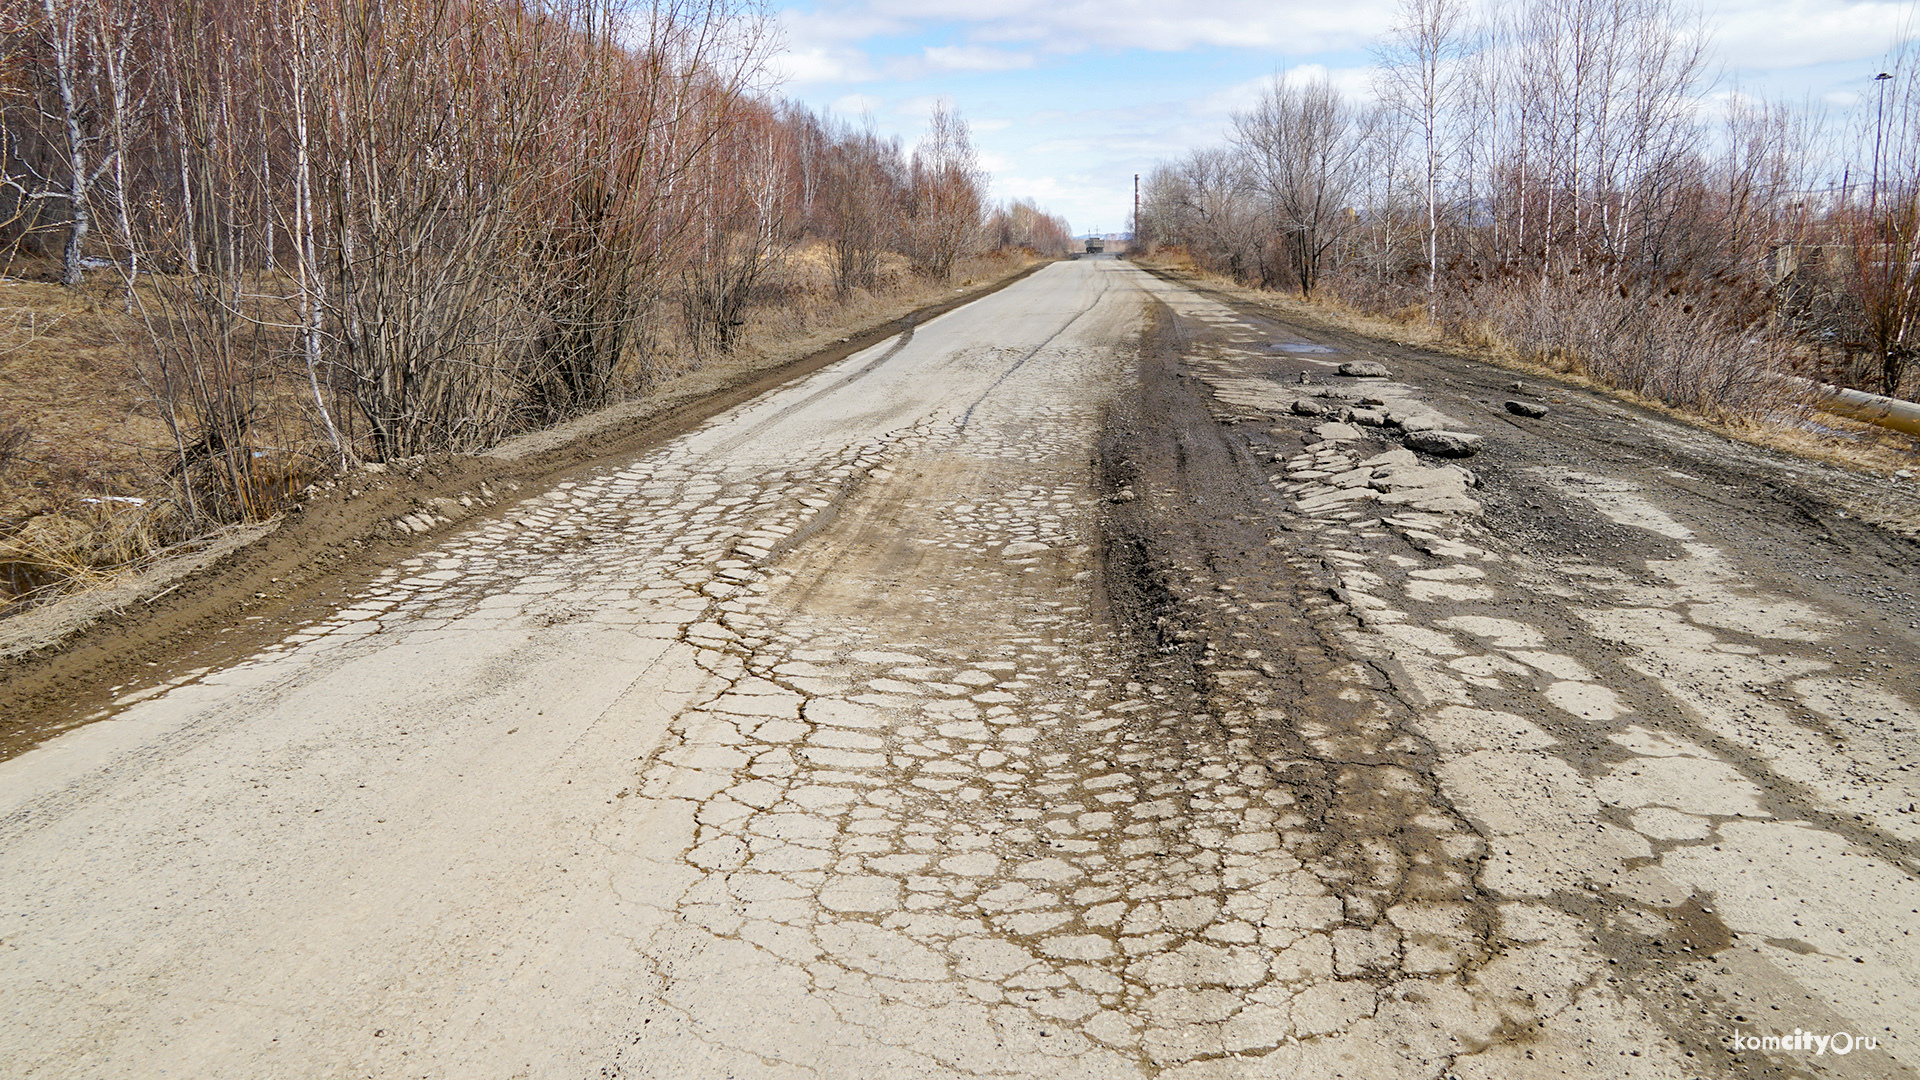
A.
pixel 1038 694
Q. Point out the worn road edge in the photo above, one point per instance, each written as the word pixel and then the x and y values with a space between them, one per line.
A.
pixel 231 597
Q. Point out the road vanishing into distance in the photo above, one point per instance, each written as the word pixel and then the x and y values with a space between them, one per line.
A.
pixel 1040 693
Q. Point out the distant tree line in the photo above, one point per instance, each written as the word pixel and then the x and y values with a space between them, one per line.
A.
pixel 1542 175
pixel 443 221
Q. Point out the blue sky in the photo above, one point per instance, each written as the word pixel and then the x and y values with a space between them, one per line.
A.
pixel 1067 101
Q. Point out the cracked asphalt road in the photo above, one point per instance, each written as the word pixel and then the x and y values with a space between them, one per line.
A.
pixel 1036 694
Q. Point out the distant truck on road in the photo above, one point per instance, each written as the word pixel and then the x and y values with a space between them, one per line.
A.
pixel 1095 245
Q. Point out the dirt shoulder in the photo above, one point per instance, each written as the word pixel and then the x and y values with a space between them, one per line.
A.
pixel 62 664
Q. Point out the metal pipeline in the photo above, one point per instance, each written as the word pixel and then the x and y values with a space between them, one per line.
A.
pixel 1872 408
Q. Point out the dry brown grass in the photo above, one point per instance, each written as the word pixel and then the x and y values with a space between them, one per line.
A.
pixel 67 378
pixel 81 485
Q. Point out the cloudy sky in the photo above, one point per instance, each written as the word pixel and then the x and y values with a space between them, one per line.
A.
pixel 1068 99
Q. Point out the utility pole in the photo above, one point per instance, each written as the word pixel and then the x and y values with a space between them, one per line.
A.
pixel 1879 113
pixel 1136 210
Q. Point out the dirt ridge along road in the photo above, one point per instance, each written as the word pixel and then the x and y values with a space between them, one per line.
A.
pixel 1679 720
pixel 74 668
pixel 816 754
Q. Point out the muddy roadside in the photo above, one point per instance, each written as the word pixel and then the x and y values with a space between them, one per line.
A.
pixel 1239 626
pixel 63 663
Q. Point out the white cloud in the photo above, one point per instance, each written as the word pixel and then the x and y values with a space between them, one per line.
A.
pixel 995 164
pixel 916 108
pixel 1038 188
pixel 839 25
pixel 856 105
pixel 974 58
pixel 820 65
pixel 1290 27
pixel 1747 34
pixel 1224 102
pixel 1356 84
pixel 1771 34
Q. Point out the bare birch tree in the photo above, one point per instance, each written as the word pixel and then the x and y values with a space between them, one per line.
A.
pixel 1303 148
pixel 948 193
pixel 1422 79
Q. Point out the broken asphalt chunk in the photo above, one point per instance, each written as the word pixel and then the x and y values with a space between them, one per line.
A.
pixel 1444 443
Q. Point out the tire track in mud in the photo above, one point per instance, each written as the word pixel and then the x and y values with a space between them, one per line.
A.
pixel 1224 618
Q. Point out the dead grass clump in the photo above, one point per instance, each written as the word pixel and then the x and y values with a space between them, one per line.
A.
pixel 85 544
pixel 1805 431
pixel 1172 258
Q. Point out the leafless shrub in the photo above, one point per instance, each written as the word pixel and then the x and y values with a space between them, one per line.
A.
pixel 1302 145
pixel 1668 350
pixel 1204 204
pixel 947 195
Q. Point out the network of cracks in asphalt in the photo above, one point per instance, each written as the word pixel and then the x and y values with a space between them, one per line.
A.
pixel 927 849
pixel 935 817
pixel 925 824
pixel 933 830
pixel 1000 840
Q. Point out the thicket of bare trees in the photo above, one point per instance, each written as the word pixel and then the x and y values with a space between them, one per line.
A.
pixel 866 183
pixel 1301 150
pixel 1542 174
pixel 367 229
pixel 1022 224
pixel 945 192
